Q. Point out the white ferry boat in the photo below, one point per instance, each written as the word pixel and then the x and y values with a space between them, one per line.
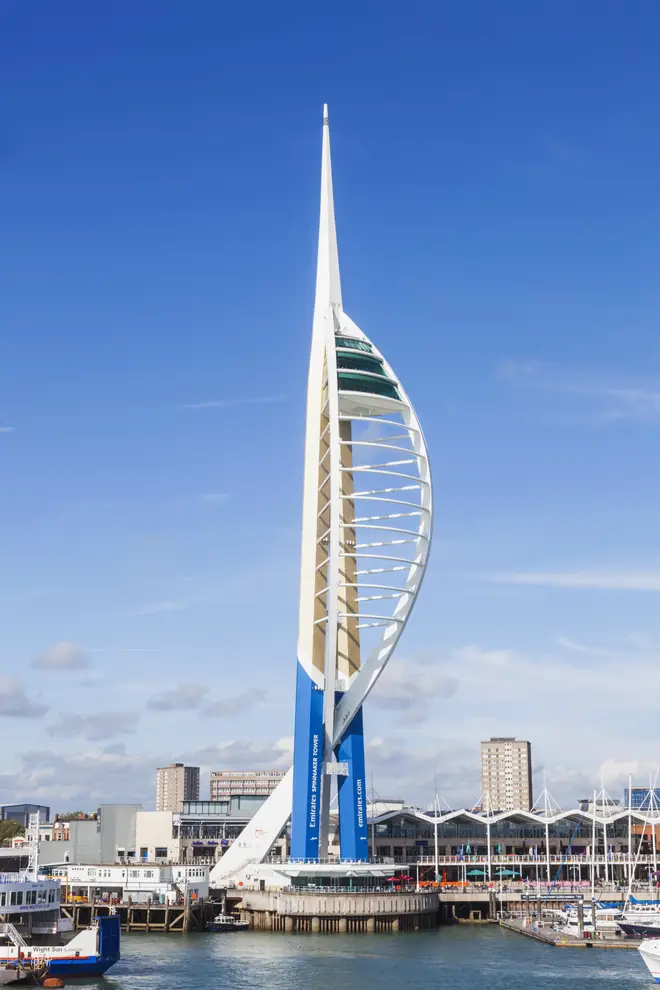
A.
pixel 90 953
pixel 30 906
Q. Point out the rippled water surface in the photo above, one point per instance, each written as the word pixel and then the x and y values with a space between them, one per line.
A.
pixel 457 958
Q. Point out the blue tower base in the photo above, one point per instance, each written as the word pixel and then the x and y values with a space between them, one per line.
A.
pixel 307 768
pixel 353 824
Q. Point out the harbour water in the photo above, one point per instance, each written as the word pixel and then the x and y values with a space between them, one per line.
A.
pixel 455 958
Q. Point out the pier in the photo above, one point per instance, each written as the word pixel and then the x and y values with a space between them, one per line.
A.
pixel 563 941
pixel 143 917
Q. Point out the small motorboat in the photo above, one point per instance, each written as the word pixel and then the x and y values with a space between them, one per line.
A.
pixel 649 930
pixel 226 923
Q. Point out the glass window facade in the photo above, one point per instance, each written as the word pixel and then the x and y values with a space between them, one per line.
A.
pixel 206 807
pixel 353 344
pixel 361 362
pixel 353 382
pixel 642 798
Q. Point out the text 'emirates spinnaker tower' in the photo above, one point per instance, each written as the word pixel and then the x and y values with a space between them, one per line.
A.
pixel 366 532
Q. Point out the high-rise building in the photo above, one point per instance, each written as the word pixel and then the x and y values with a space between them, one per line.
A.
pixel 366 531
pixel 175 784
pixel 506 774
pixel 226 784
pixel 244 790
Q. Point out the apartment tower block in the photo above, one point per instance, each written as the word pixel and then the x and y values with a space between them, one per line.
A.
pixel 175 784
pixel 506 774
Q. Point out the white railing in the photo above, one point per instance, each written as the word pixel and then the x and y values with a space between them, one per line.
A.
pixel 556 859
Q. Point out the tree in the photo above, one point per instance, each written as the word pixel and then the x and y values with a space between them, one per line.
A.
pixel 8 829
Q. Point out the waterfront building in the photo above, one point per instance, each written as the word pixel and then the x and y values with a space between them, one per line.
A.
pixel 206 830
pixel 106 837
pixel 243 790
pixel 599 803
pixel 175 784
pixel 574 847
pixel 613 845
pixel 115 824
pixel 506 774
pixel 643 797
pixel 165 883
pixel 74 841
pixel 201 833
pixel 366 532
pixel 21 813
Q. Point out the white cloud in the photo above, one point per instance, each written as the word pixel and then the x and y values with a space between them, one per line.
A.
pixel 589 651
pixel 575 713
pixel 236 705
pixel 181 698
pixel 596 580
pixel 258 400
pixel 62 656
pixel 414 771
pixel 14 703
pixel 7 429
pixel 611 401
pixel 411 686
pixel 254 755
pixel 83 779
pixel 634 647
pixel 96 726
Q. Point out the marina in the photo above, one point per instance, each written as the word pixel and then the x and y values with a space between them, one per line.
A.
pixel 461 957
pixel 559 939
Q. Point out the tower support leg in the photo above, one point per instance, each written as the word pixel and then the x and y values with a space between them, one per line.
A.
pixel 307 768
pixel 353 826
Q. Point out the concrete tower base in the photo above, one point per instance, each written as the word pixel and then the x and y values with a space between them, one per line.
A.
pixel 330 913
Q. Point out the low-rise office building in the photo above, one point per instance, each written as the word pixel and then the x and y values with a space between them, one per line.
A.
pixel 201 833
pixel 165 884
pixel 21 813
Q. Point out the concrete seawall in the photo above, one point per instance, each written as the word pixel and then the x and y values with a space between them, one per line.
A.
pixel 289 911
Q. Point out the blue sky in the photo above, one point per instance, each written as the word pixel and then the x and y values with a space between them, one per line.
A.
pixel 498 211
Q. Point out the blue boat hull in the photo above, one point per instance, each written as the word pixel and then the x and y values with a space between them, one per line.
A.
pixel 96 964
pixel 80 967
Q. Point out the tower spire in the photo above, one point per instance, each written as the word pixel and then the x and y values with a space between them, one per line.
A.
pixel 328 287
